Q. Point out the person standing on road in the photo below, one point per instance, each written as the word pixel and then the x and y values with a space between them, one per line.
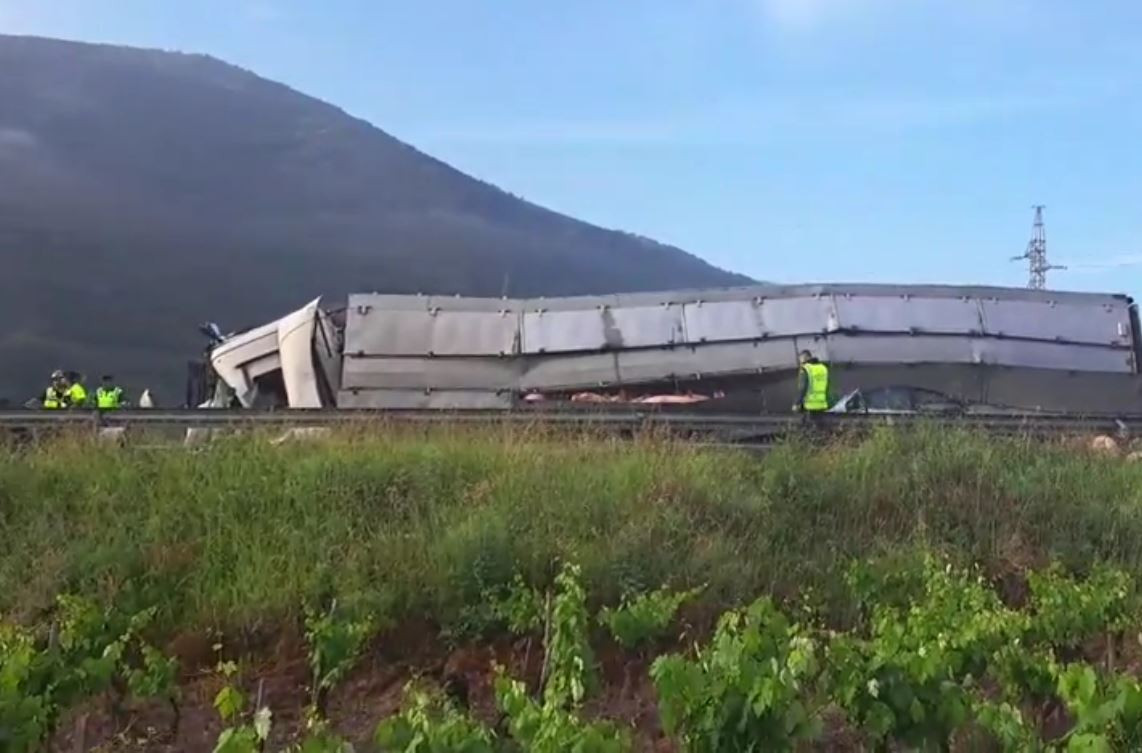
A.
pixel 55 397
pixel 108 396
pixel 813 386
pixel 76 393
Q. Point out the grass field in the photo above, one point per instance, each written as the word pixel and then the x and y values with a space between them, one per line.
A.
pixel 420 525
pixel 387 556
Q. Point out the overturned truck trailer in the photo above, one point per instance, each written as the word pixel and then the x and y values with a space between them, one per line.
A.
pixel 1016 348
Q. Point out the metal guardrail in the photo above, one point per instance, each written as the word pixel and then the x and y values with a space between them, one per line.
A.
pixel 740 427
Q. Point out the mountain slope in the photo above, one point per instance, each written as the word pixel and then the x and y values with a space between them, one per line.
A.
pixel 142 192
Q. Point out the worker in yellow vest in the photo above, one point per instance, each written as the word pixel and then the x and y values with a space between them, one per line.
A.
pixel 55 397
pixel 813 387
pixel 108 396
pixel 76 392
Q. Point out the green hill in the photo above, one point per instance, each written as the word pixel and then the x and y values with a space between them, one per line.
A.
pixel 143 192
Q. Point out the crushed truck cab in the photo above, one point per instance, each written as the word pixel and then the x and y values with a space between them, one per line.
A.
pixel 292 362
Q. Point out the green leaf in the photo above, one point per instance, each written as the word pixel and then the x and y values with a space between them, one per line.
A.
pixel 879 720
pixel 263 720
pixel 237 740
pixel 430 724
pixel 646 617
pixel 335 640
pixel 156 677
pixel 229 703
pixel 745 689
pixel 1089 743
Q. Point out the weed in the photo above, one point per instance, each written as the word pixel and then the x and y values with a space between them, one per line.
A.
pixel 643 619
pixel 427 522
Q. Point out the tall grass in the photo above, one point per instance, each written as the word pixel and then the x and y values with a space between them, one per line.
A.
pixel 424 522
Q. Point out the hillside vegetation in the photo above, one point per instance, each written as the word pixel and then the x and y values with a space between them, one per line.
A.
pixel 424 522
pixel 411 554
pixel 144 192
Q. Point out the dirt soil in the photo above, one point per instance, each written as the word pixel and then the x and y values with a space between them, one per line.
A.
pixel 278 668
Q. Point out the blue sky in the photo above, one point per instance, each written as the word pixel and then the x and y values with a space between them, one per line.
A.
pixel 878 140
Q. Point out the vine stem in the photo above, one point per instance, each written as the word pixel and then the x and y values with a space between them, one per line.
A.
pixel 258 705
pixel 546 642
pixel 81 734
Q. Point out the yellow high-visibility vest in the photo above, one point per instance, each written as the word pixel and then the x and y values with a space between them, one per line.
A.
pixel 108 399
pixel 53 399
pixel 817 393
pixel 76 396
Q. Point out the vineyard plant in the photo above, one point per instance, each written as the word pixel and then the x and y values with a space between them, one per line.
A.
pixel 937 658
pixel 904 591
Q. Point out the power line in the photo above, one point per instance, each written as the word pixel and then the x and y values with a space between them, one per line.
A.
pixel 1036 253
